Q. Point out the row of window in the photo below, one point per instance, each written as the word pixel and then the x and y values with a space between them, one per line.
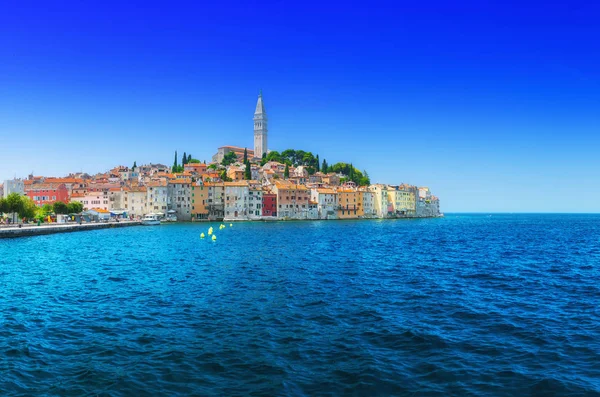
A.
pixel 43 198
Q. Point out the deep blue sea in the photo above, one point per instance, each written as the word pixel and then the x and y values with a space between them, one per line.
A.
pixel 466 305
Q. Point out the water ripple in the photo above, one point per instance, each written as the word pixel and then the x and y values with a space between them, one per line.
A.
pixel 468 305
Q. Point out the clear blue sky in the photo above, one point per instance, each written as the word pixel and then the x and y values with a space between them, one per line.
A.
pixel 494 106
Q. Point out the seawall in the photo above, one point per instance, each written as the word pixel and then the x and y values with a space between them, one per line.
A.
pixel 34 230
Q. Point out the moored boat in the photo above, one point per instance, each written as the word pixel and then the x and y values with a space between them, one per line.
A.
pixel 151 220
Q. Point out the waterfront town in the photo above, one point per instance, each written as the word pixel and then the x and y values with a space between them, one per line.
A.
pixel 237 184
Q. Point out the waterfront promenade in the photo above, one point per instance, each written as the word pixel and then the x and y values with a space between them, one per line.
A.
pixel 35 230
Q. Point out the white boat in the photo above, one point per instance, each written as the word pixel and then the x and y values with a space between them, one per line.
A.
pixel 150 220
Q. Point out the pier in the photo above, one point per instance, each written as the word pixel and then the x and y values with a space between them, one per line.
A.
pixel 35 230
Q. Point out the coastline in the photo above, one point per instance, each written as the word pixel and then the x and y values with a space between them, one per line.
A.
pixel 34 230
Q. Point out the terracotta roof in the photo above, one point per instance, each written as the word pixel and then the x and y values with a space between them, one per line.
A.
pixel 46 186
pixel 238 183
pixel 326 191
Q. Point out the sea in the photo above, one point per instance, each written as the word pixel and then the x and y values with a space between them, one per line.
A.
pixel 465 305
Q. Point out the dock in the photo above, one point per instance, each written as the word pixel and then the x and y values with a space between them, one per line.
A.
pixel 52 228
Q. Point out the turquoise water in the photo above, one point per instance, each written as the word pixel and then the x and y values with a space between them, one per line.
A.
pixel 501 305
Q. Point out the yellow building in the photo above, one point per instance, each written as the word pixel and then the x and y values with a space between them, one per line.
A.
pixel 403 199
pixel 350 204
pixel 235 173
pixel 199 201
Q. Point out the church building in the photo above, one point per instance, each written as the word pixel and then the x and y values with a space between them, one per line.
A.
pixel 260 128
pixel 260 136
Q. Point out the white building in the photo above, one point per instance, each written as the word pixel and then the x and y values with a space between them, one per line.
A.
pixel 326 200
pixel 368 204
pixel 135 201
pixel 116 199
pixel 14 186
pixel 260 128
pixel 237 200
pixel 380 200
pixel 157 197
pixel 180 198
pixel 255 199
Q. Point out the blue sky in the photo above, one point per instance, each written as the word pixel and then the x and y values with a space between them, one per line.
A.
pixel 495 106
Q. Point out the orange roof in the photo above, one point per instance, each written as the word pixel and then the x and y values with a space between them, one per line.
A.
pixel 64 180
pixel 157 184
pixel 177 181
pixel 238 183
pixel 326 191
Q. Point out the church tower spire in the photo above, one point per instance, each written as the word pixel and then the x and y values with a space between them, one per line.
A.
pixel 260 128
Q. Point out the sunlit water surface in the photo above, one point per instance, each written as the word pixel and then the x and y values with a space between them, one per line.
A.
pixel 465 305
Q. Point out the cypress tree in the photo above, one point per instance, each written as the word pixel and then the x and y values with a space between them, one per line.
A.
pixel 317 163
pixel 248 172
pixel 174 169
pixel 324 166
pixel 184 159
pixel 286 172
pixel 245 155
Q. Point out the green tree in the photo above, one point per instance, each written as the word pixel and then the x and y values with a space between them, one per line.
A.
pixel 47 209
pixel 365 180
pixel 212 166
pixel 134 165
pixel 248 171
pixel 14 204
pixel 286 172
pixel 175 166
pixel 317 164
pixel 245 155
pixel 224 177
pixel 75 207
pixel 263 160
pixel 324 168
pixel 193 161
pixel 3 206
pixel 299 157
pixel 229 158
pixel 28 208
pixel 288 154
pixel 60 208
pixel 275 156
pixel 189 158
pixel 184 159
pixel 40 214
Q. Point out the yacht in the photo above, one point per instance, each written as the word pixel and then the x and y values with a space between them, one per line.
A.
pixel 150 220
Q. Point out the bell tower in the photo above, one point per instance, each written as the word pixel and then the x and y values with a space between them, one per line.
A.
pixel 260 128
